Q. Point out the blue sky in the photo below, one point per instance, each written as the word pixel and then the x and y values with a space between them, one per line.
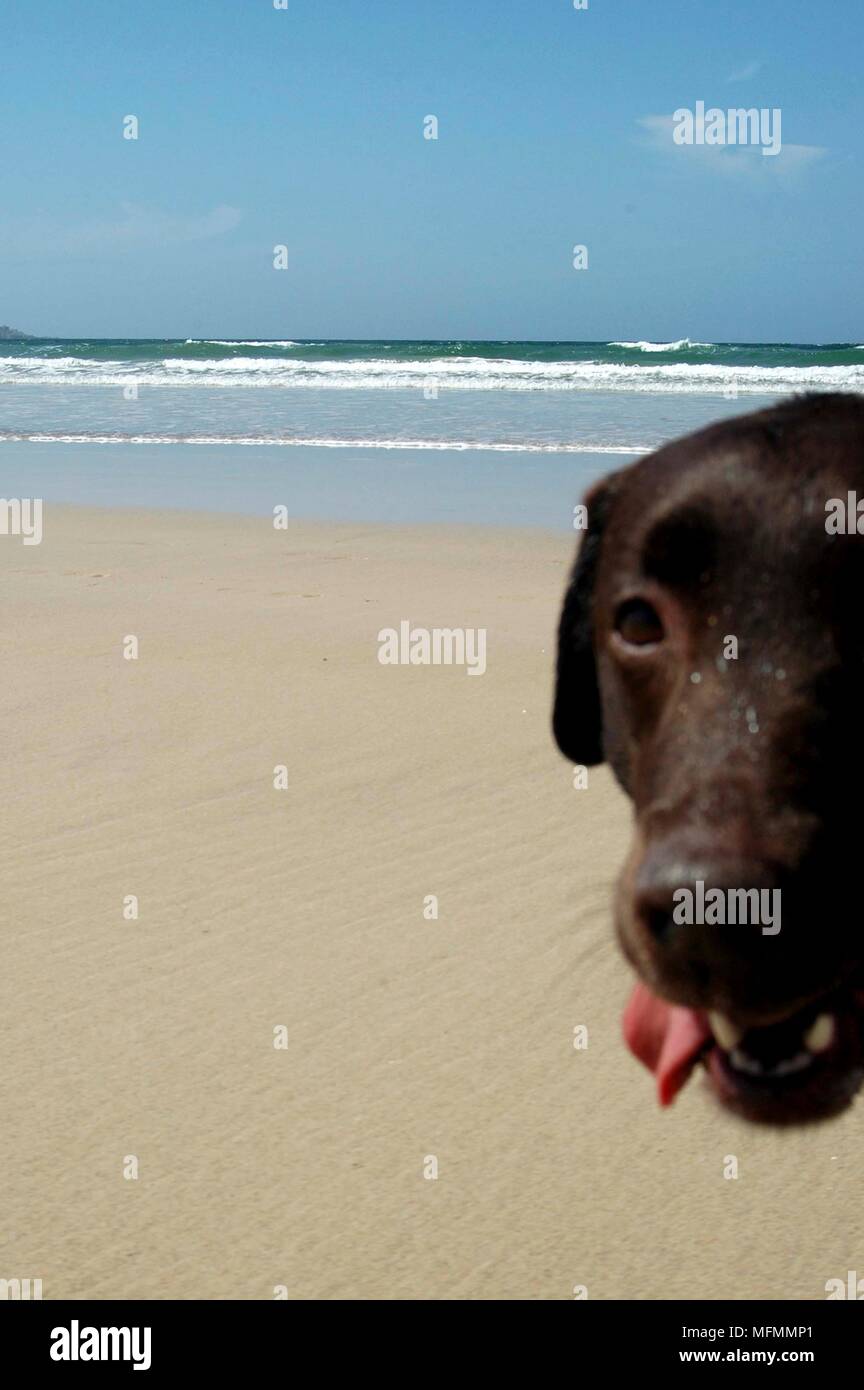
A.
pixel 304 127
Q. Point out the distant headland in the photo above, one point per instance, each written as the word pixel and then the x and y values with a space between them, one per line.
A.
pixel 6 333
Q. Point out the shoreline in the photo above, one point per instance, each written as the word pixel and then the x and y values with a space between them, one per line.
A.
pixel 398 486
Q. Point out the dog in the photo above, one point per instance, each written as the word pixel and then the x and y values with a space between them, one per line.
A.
pixel 711 650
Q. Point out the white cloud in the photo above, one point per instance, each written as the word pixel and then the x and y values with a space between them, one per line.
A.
pixel 727 159
pixel 799 156
pixel 659 129
pixel 749 70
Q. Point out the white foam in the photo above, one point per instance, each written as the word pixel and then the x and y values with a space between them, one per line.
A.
pixel 460 374
pixel 445 445
pixel 242 342
pixel 678 346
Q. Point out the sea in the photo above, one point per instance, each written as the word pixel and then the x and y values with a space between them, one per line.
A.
pixel 440 431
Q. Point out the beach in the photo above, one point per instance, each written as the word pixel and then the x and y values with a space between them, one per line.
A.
pixel 236 1086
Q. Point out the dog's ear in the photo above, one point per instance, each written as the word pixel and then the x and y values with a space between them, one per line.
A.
pixel 577 721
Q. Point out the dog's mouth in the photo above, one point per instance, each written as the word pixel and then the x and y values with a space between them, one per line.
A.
pixel 805 1066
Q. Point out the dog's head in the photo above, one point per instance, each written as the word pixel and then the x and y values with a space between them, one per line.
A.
pixel 711 649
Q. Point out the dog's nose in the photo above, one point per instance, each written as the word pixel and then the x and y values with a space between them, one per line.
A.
pixel 708 920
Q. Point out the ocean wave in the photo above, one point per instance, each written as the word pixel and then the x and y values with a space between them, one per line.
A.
pixel 242 342
pixel 444 373
pixel 680 346
pixel 325 442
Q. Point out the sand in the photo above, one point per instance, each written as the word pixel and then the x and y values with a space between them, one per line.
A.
pixel 151 1041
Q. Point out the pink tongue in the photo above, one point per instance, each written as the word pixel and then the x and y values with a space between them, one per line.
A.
pixel 666 1037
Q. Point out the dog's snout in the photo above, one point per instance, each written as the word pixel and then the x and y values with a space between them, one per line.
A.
pixel 656 913
pixel 672 892
pixel 706 921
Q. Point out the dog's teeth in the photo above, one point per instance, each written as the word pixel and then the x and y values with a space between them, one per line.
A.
pixel 742 1062
pixel 820 1035
pixel 796 1063
pixel 724 1030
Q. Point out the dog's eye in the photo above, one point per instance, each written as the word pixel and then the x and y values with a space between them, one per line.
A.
pixel 638 623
